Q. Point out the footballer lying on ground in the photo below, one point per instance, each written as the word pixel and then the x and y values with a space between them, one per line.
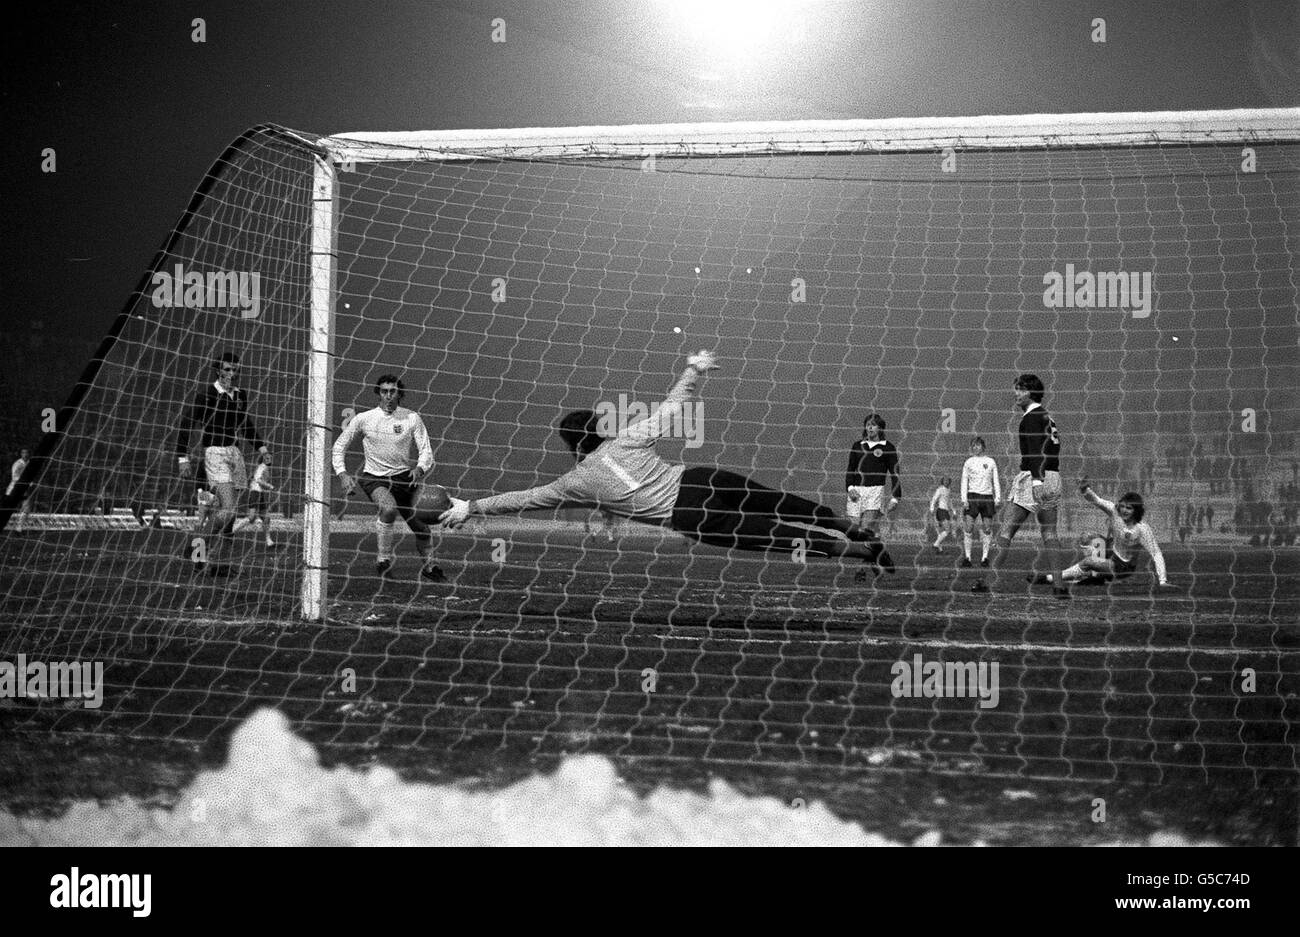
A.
pixel 626 477
pixel 1114 557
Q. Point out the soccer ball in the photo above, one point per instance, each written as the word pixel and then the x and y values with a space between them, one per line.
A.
pixel 434 500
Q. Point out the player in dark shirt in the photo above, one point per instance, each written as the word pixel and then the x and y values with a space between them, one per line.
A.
pixel 1036 490
pixel 218 416
pixel 873 462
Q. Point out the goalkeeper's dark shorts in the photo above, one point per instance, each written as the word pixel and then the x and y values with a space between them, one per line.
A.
pixel 402 486
pixel 726 509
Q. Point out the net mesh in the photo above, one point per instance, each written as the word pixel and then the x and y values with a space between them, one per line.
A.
pixel 508 289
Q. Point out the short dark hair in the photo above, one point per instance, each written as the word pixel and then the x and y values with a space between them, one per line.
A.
pixel 579 430
pixel 1033 384
pixel 228 357
pixel 874 418
pixel 946 481
pixel 389 379
pixel 980 440
pixel 1134 500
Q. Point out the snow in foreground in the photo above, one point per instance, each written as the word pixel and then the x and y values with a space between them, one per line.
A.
pixel 273 792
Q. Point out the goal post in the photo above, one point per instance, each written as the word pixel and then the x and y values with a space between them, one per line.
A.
pixel 320 365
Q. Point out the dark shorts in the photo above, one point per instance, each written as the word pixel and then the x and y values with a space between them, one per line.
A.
pixel 941 515
pixel 979 506
pixel 725 509
pixel 257 501
pixel 402 487
pixel 1122 568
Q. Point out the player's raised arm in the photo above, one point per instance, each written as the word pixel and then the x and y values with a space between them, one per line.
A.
pixel 1085 489
pixel 655 425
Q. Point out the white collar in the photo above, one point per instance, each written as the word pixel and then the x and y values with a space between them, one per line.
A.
pixel 1032 404
pixel 229 393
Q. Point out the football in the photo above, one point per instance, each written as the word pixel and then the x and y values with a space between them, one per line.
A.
pixel 434 500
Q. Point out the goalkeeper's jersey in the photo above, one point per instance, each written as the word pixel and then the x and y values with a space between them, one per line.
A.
pixel 386 440
pixel 625 476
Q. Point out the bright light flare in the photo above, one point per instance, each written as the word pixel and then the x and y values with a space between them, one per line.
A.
pixel 739 31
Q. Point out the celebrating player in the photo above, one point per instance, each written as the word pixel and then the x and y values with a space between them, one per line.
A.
pixel 258 489
pixel 627 478
pixel 388 478
pixel 1037 489
pixel 872 461
pixel 1113 557
pixel 981 493
pixel 941 508
pixel 219 414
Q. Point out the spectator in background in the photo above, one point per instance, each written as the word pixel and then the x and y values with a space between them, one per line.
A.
pixel 1209 517
pixel 15 475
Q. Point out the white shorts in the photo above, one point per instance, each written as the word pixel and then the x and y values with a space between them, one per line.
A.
pixel 225 464
pixel 869 499
pixel 1049 493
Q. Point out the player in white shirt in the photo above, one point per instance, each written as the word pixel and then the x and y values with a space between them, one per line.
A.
pixel 1115 556
pixel 941 508
pixel 981 495
pixel 258 489
pixel 388 477
pixel 15 475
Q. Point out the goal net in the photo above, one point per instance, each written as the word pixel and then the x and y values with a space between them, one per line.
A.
pixel 1142 265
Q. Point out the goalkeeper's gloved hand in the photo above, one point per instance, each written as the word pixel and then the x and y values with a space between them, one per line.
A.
pixel 703 361
pixel 456 515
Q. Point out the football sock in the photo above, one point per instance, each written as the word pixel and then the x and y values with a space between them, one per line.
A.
pixel 986 540
pixel 965 545
pixel 385 534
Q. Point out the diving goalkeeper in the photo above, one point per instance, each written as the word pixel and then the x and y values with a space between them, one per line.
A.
pixel 626 477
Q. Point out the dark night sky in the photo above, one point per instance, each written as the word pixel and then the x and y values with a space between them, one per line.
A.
pixel 136 111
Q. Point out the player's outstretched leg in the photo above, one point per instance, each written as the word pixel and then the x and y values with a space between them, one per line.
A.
pixel 724 508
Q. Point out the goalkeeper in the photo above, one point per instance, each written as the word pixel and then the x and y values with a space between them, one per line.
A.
pixel 626 477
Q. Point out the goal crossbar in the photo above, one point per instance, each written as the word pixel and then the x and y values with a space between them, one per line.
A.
pixel 826 136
